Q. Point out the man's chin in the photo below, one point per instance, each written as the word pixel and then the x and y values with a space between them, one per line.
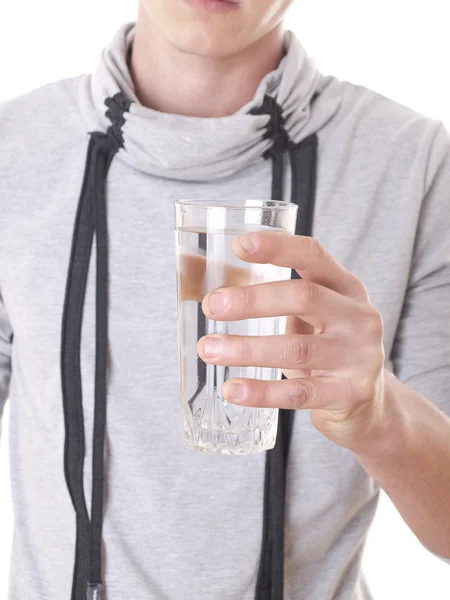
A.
pixel 201 39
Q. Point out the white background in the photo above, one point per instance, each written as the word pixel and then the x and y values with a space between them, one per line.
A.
pixel 401 48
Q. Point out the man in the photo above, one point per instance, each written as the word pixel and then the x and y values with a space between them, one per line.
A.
pixel 209 98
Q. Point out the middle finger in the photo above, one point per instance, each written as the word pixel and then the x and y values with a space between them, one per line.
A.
pixel 315 304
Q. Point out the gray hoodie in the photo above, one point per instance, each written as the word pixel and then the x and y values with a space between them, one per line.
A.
pixel 181 525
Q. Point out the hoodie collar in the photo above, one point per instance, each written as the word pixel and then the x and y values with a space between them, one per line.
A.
pixel 203 149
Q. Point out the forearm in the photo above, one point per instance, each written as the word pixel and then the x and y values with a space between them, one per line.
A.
pixel 411 462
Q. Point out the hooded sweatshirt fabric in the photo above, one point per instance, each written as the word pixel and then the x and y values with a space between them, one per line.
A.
pixel 180 524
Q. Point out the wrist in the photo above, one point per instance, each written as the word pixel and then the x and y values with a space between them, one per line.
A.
pixel 388 433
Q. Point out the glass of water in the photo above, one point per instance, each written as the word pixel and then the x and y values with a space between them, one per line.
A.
pixel 205 262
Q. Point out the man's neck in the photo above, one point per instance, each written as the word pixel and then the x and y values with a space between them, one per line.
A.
pixel 174 82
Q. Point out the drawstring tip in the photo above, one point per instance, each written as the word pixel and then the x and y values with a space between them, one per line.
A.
pixel 94 591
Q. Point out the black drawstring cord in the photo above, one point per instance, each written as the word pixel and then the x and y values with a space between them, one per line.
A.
pixel 276 132
pixel 74 447
pixel 91 218
pixel 101 353
pixel 303 161
pixel 303 158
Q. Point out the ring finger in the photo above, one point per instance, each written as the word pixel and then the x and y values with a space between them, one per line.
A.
pixel 290 352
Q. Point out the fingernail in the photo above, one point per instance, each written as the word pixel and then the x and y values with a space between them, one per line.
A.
pixel 212 347
pixel 248 242
pixel 236 392
pixel 217 303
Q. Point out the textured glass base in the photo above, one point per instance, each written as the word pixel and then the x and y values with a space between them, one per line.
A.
pixel 220 442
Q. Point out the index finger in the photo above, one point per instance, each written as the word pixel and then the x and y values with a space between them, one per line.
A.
pixel 303 254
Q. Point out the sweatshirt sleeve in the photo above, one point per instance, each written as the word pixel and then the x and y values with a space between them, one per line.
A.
pixel 421 351
pixel 5 356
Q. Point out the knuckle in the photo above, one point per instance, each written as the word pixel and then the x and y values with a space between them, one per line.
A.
pixel 268 393
pixel 374 324
pixel 357 288
pixel 315 250
pixel 298 350
pixel 248 294
pixel 308 293
pixel 297 395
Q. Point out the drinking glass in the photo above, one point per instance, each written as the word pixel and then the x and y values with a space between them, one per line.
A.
pixel 205 262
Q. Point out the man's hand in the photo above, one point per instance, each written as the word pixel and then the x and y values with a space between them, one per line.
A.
pixel 333 358
pixel 332 353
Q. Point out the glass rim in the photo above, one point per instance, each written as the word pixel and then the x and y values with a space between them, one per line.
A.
pixel 233 204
